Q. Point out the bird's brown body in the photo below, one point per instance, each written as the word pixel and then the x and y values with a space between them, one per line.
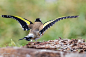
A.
pixel 37 28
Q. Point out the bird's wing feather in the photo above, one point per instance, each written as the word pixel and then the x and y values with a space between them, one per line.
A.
pixel 51 22
pixel 23 22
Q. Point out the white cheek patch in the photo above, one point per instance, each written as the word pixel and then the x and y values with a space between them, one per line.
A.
pixel 31 35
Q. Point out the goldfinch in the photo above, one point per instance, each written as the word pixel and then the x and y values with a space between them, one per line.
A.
pixel 37 28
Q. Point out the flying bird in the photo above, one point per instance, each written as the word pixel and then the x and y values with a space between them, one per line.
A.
pixel 37 28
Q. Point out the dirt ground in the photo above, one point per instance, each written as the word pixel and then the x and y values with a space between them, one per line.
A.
pixel 52 48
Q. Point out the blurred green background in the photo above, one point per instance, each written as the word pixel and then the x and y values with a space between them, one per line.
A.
pixel 46 10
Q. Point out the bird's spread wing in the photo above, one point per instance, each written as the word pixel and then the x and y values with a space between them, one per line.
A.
pixel 23 22
pixel 51 22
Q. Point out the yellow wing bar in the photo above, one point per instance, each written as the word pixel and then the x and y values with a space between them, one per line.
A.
pixel 28 22
pixel 23 22
pixel 51 22
pixel 47 23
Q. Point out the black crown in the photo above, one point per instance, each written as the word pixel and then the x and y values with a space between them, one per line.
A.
pixel 37 20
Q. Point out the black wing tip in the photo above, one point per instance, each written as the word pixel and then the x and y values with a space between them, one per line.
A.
pixel 77 15
pixel 73 16
pixel 6 16
pixel 3 15
pixel 37 20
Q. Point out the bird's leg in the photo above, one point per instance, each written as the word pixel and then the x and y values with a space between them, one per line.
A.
pixel 36 40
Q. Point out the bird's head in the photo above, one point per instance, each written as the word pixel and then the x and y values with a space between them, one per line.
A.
pixel 28 37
